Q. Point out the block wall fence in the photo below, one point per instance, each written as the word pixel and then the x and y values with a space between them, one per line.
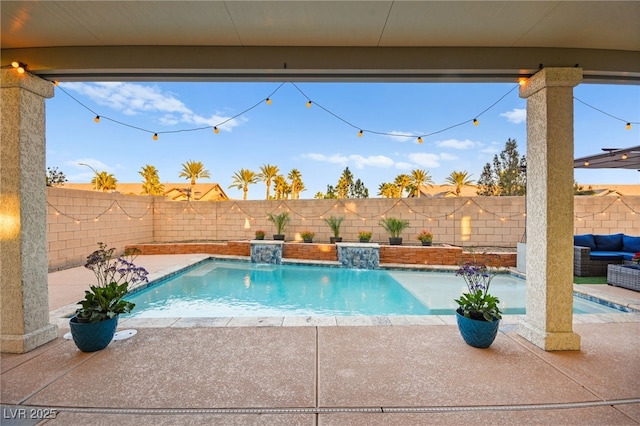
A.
pixel 77 220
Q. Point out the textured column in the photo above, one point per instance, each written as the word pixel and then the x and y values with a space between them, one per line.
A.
pixel 548 322
pixel 24 313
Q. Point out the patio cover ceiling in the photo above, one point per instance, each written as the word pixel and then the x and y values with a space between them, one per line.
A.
pixel 321 40
pixel 614 158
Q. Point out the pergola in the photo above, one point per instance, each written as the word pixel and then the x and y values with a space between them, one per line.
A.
pixel 554 45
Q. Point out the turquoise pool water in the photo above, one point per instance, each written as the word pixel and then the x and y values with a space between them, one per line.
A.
pixel 240 289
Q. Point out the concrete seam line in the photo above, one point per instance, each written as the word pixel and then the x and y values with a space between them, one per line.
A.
pixel 329 410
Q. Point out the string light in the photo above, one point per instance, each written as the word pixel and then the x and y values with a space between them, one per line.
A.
pixel 216 130
pixel 360 133
pixel 624 156
pixel 586 163
pixel 97 119
pixel 21 68
pixel 155 136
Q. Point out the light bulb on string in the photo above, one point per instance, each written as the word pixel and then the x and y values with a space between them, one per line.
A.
pixel 360 133
pixel 624 156
pixel 155 136
pixel 419 139
pixel 628 126
pixel 308 104
pixel 216 130
pixel 475 122
pixel 97 119
pixel 268 101
pixel 15 64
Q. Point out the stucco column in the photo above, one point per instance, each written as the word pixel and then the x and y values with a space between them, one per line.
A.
pixel 548 323
pixel 24 313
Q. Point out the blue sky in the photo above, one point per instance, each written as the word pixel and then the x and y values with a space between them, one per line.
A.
pixel 318 143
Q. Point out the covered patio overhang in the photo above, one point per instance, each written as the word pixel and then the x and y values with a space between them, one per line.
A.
pixel 554 45
pixel 612 158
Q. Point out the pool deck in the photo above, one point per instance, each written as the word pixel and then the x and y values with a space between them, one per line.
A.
pixel 313 371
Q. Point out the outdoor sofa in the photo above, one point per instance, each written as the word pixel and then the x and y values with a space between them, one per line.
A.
pixel 593 253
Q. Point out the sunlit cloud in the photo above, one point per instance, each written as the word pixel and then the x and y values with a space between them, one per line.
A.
pixel 133 99
pixel 493 148
pixel 448 157
pixel 333 159
pixel 516 115
pixel 456 144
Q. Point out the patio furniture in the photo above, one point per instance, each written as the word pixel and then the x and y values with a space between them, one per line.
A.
pixel 592 254
pixel 626 276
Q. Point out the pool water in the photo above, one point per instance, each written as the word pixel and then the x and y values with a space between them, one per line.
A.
pixel 240 289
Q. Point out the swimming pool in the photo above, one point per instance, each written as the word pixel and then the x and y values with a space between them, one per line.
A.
pixel 217 288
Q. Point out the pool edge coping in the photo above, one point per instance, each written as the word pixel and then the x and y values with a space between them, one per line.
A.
pixel 630 313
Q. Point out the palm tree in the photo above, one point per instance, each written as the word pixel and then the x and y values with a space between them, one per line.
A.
pixel 403 181
pixel 194 170
pixel 242 179
pixel 104 181
pixel 151 184
pixel 420 178
pixel 282 188
pixel 388 190
pixel 297 185
pixel 266 175
pixel 459 180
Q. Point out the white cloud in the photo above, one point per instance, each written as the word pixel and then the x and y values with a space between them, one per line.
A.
pixel 400 136
pixel 334 159
pixel 133 99
pixel 494 148
pixel 372 160
pixel 448 157
pixel 425 159
pixel 516 115
pixel 456 144
pixel 358 161
pixel 404 166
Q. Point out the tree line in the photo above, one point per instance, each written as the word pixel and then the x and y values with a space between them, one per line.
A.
pixel 505 175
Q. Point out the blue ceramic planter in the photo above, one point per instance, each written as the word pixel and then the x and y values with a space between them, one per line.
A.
pixel 93 336
pixel 476 333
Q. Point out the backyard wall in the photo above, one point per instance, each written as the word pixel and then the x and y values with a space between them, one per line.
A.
pixel 73 230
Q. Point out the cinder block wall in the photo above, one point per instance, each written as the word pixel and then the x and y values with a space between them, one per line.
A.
pixel 77 220
pixel 73 230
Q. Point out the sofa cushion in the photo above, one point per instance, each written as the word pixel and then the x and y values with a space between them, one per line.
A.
pixel 630 244
pixel 584 241
pixel 606 255
pixel 608 242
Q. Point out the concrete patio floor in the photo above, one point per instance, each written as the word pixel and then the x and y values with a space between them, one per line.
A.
pixel 198 372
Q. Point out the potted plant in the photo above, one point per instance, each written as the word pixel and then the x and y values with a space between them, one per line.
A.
pixel 478 314
pixel 364 236
pixel 260 234
pixel 394 227
pixel 94 324
pixel 307 236
pixel 280 221
pixel 425 237
pixel 334 223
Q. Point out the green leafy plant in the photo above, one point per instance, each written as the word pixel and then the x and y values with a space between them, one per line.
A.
pixel 280 221
pixel 477 303
pixel 114 274
pixel 307 235
pixel 334 223
pixel 425 236
pixel 365 235
pixel 394 226
pixel 260 234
